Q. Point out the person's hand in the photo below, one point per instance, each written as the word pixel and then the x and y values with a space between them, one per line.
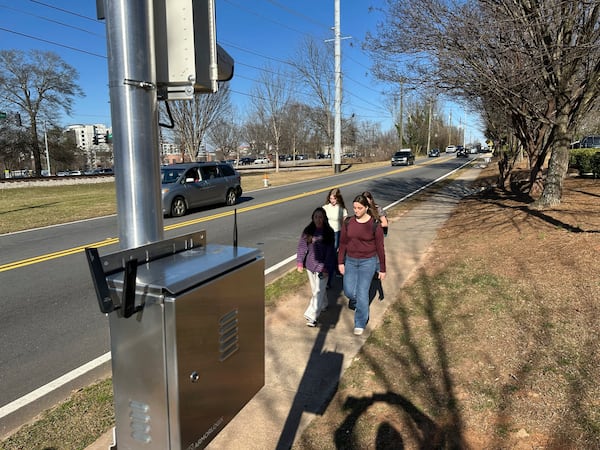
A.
pixel 382 276
pixel 300 269
pixel 341 269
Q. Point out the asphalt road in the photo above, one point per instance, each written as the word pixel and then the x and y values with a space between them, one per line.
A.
pixel 51 323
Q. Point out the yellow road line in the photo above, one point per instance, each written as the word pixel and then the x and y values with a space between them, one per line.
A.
pixel 187 223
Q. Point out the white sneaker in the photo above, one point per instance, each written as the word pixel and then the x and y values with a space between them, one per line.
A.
pixel 358 331
pixel 311 323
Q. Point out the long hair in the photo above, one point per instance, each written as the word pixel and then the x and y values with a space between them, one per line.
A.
pixel 338 195
pixel 328 233
pixel 371 208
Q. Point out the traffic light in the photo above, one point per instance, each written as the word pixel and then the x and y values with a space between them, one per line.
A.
pixel 95 139
pixel 2 115
pixel 108 138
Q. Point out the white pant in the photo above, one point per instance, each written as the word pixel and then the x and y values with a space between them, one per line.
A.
pixel 318 287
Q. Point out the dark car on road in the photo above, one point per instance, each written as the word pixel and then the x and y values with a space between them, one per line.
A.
pixel 246 160
pixel 404 157
pixel 462 153
pixel 434 152
pixel 191 185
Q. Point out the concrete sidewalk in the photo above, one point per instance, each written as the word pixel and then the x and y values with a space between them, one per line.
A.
pixel 304 365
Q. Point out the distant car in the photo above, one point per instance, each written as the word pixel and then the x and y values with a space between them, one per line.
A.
pixel 462 153
pixel 434 152
pixel 472 150
pixel 192 185
pixel 403 157
pixel 451 149
pixel 261 161
pixel 103 171
pixel 246 160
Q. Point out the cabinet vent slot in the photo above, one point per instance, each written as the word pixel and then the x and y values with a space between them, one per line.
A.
pixel 228 335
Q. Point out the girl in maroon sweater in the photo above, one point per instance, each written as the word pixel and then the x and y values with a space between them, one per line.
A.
pixel 361 246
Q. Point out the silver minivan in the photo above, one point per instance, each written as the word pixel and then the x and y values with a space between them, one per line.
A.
pixel 192 185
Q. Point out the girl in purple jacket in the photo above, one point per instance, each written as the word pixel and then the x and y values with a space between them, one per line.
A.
pixel 316 253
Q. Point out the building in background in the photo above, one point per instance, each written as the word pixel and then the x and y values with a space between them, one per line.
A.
pixel 96 143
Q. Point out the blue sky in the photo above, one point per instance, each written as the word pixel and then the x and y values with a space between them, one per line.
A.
pixel 255 33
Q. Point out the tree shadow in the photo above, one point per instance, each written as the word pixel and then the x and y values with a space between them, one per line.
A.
pixel 433 383
pixel 322 373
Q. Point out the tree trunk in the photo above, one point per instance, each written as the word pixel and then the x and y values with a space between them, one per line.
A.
pixel 557 168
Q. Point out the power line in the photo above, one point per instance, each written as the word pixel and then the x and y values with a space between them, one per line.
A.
pixel 66 11
pixel 66 25
pixel 52 42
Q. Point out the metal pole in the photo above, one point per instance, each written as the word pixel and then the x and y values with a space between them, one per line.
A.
pixel 134 113
pixel 429 129
pixel 47 153
pixel 337 134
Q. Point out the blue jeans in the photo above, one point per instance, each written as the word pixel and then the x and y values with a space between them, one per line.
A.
pixel 358 274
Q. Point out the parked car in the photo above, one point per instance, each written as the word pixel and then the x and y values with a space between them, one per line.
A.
pixel 191 185
pixel 403 157
pixel 434 152
pixel 261 161
pixel 451 149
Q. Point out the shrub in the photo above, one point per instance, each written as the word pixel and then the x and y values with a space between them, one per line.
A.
pixel 583 159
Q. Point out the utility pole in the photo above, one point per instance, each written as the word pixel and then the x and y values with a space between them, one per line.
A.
pixel 429 127
pixel 46 144
pixel 337 132
pixel 401 113
pixel 450 130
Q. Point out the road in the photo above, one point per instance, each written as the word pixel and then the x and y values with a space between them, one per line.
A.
pixel 51 323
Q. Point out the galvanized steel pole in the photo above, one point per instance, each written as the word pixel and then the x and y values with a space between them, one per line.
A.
pixel 134 113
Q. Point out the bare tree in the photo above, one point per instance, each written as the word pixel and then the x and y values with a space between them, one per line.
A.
pixel 537 62
pixel 271 95
pixel 39 85
pixel 314 65
pixel 296 127
pixel 226 136
pixel 193 118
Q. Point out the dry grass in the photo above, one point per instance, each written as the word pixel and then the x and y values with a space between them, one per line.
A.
pixel 492 344
pixel 32 207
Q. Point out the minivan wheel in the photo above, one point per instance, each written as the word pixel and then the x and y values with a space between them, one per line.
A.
pixel 178 207
pixel 230 198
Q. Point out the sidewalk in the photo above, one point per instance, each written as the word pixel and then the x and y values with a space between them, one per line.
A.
pixel 304 365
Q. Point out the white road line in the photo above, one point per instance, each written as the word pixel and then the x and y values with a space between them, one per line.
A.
pixel 46 389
